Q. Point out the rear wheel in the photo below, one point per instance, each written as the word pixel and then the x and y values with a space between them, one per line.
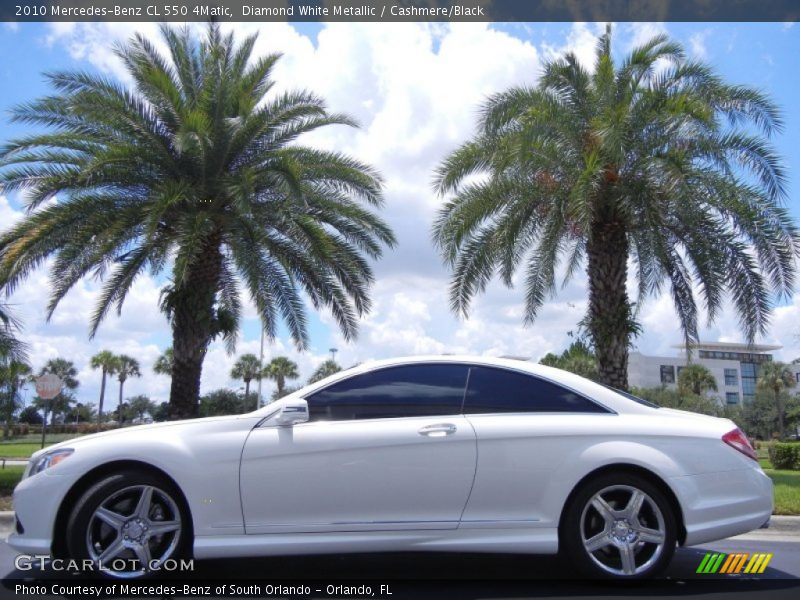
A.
pixel 619 526
pixel 128 524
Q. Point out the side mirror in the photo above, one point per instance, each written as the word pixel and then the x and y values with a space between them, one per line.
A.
pixel 293 412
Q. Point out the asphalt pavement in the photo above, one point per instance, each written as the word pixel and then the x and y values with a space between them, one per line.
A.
pixel 436 575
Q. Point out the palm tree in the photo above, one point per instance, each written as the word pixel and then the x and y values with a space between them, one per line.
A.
pixel 326 369
pixel 107 362
pixel 626 162
pixel 696 379
pixel 197 160
pixel 11 348
pixel 775 378
pixel 247 368
pixel 578 359
pixel 13 376
pixel 126 367
pixel 279 370
pixel 163 365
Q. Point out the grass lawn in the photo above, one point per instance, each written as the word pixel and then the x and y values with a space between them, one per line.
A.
pixel 19 449
pixel 787 491
pixel 23 447
pixel 9 477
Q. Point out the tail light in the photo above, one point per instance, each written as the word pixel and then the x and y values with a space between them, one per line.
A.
pixel 738 440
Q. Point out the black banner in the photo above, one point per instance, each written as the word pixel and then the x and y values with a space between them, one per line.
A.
pixel 399 10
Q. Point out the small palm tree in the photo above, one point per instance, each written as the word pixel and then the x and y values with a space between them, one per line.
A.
pixel 626 162
pixel 578 359
pixel 326 369
pixel 107 362
pixel 775 378
pixel 13 376
pixel 279 370
pixel 247 368
pixel 195 167
pixel 696 379
pixel 126 367
pixel 164 363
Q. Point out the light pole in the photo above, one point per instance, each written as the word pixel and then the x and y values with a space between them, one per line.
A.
pixel 333 352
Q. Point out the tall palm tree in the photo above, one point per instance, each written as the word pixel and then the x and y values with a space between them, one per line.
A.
pixel 196 160
pixel 775 378
pixel 626 162
pixel 279 370
pixel 247 368
pixel 696 379
pixel 326 369
pixel 107 362
pixel 163 364
pixel 126 368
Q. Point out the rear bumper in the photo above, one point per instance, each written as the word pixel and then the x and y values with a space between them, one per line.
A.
pixel 720 505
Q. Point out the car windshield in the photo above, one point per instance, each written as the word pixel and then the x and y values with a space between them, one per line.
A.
pixel 630 396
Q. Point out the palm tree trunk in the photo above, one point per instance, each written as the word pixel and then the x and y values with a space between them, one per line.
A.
pixel 102 398
pixel 246 389
pixel 119 405
pixel 609 308
pixel 192 323
pixel 281 382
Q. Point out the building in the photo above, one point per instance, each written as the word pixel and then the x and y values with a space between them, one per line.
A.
pixel 734 366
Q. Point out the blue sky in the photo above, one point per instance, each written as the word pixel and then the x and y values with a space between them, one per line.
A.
pixel 414 88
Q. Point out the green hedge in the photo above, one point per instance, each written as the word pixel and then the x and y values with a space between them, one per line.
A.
pixel 785 455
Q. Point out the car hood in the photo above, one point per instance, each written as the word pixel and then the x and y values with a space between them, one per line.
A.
pixel 124 431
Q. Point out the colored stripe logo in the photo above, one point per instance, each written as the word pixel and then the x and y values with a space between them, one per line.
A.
pixel 731 564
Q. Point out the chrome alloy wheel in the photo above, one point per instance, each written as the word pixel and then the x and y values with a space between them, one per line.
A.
pixel 622 530
pixel 132 530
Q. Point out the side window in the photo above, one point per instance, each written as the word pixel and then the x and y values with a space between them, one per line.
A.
pixel 499 391
pixel 406 391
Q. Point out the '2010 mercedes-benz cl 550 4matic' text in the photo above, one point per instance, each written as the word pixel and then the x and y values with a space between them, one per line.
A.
pixel 432 453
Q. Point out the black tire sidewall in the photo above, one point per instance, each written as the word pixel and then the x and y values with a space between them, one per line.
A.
pixel 88 502
pixel 570 532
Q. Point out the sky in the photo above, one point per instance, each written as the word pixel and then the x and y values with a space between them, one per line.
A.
pixel 415 90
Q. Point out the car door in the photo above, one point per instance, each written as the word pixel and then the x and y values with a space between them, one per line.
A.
pixel 382 450
pixel 530 430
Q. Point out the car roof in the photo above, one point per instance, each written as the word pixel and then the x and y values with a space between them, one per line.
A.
pixel 586 387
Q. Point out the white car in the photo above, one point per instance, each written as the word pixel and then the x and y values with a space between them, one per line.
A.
pixel 432 453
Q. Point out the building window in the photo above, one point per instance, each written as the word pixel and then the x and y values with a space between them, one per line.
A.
pixel 732 397
pixel 667 374
pixel 749 374
pixel 731 377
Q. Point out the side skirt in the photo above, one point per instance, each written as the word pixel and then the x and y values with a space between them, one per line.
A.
pixel 516 540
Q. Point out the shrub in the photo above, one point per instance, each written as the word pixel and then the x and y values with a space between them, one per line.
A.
pixel 785 455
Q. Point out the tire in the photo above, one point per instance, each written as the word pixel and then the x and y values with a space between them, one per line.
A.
pixel 605 536
pixel 126 521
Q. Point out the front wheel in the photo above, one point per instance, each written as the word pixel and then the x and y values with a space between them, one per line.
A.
pixel 619 526
pixel 128 525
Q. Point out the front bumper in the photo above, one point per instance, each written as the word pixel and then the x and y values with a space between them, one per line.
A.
pixel 723 504
pixel 36 502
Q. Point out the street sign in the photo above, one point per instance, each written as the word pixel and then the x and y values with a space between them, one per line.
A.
pixel 48 386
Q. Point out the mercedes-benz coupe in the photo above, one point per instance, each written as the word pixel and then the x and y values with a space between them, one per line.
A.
pixel 425 454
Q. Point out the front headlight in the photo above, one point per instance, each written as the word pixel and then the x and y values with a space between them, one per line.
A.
pixel 49 459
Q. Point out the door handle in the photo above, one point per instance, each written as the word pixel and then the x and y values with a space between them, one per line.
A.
pixel 438 430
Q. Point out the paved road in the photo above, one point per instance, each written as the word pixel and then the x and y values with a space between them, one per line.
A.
pixel 479 575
